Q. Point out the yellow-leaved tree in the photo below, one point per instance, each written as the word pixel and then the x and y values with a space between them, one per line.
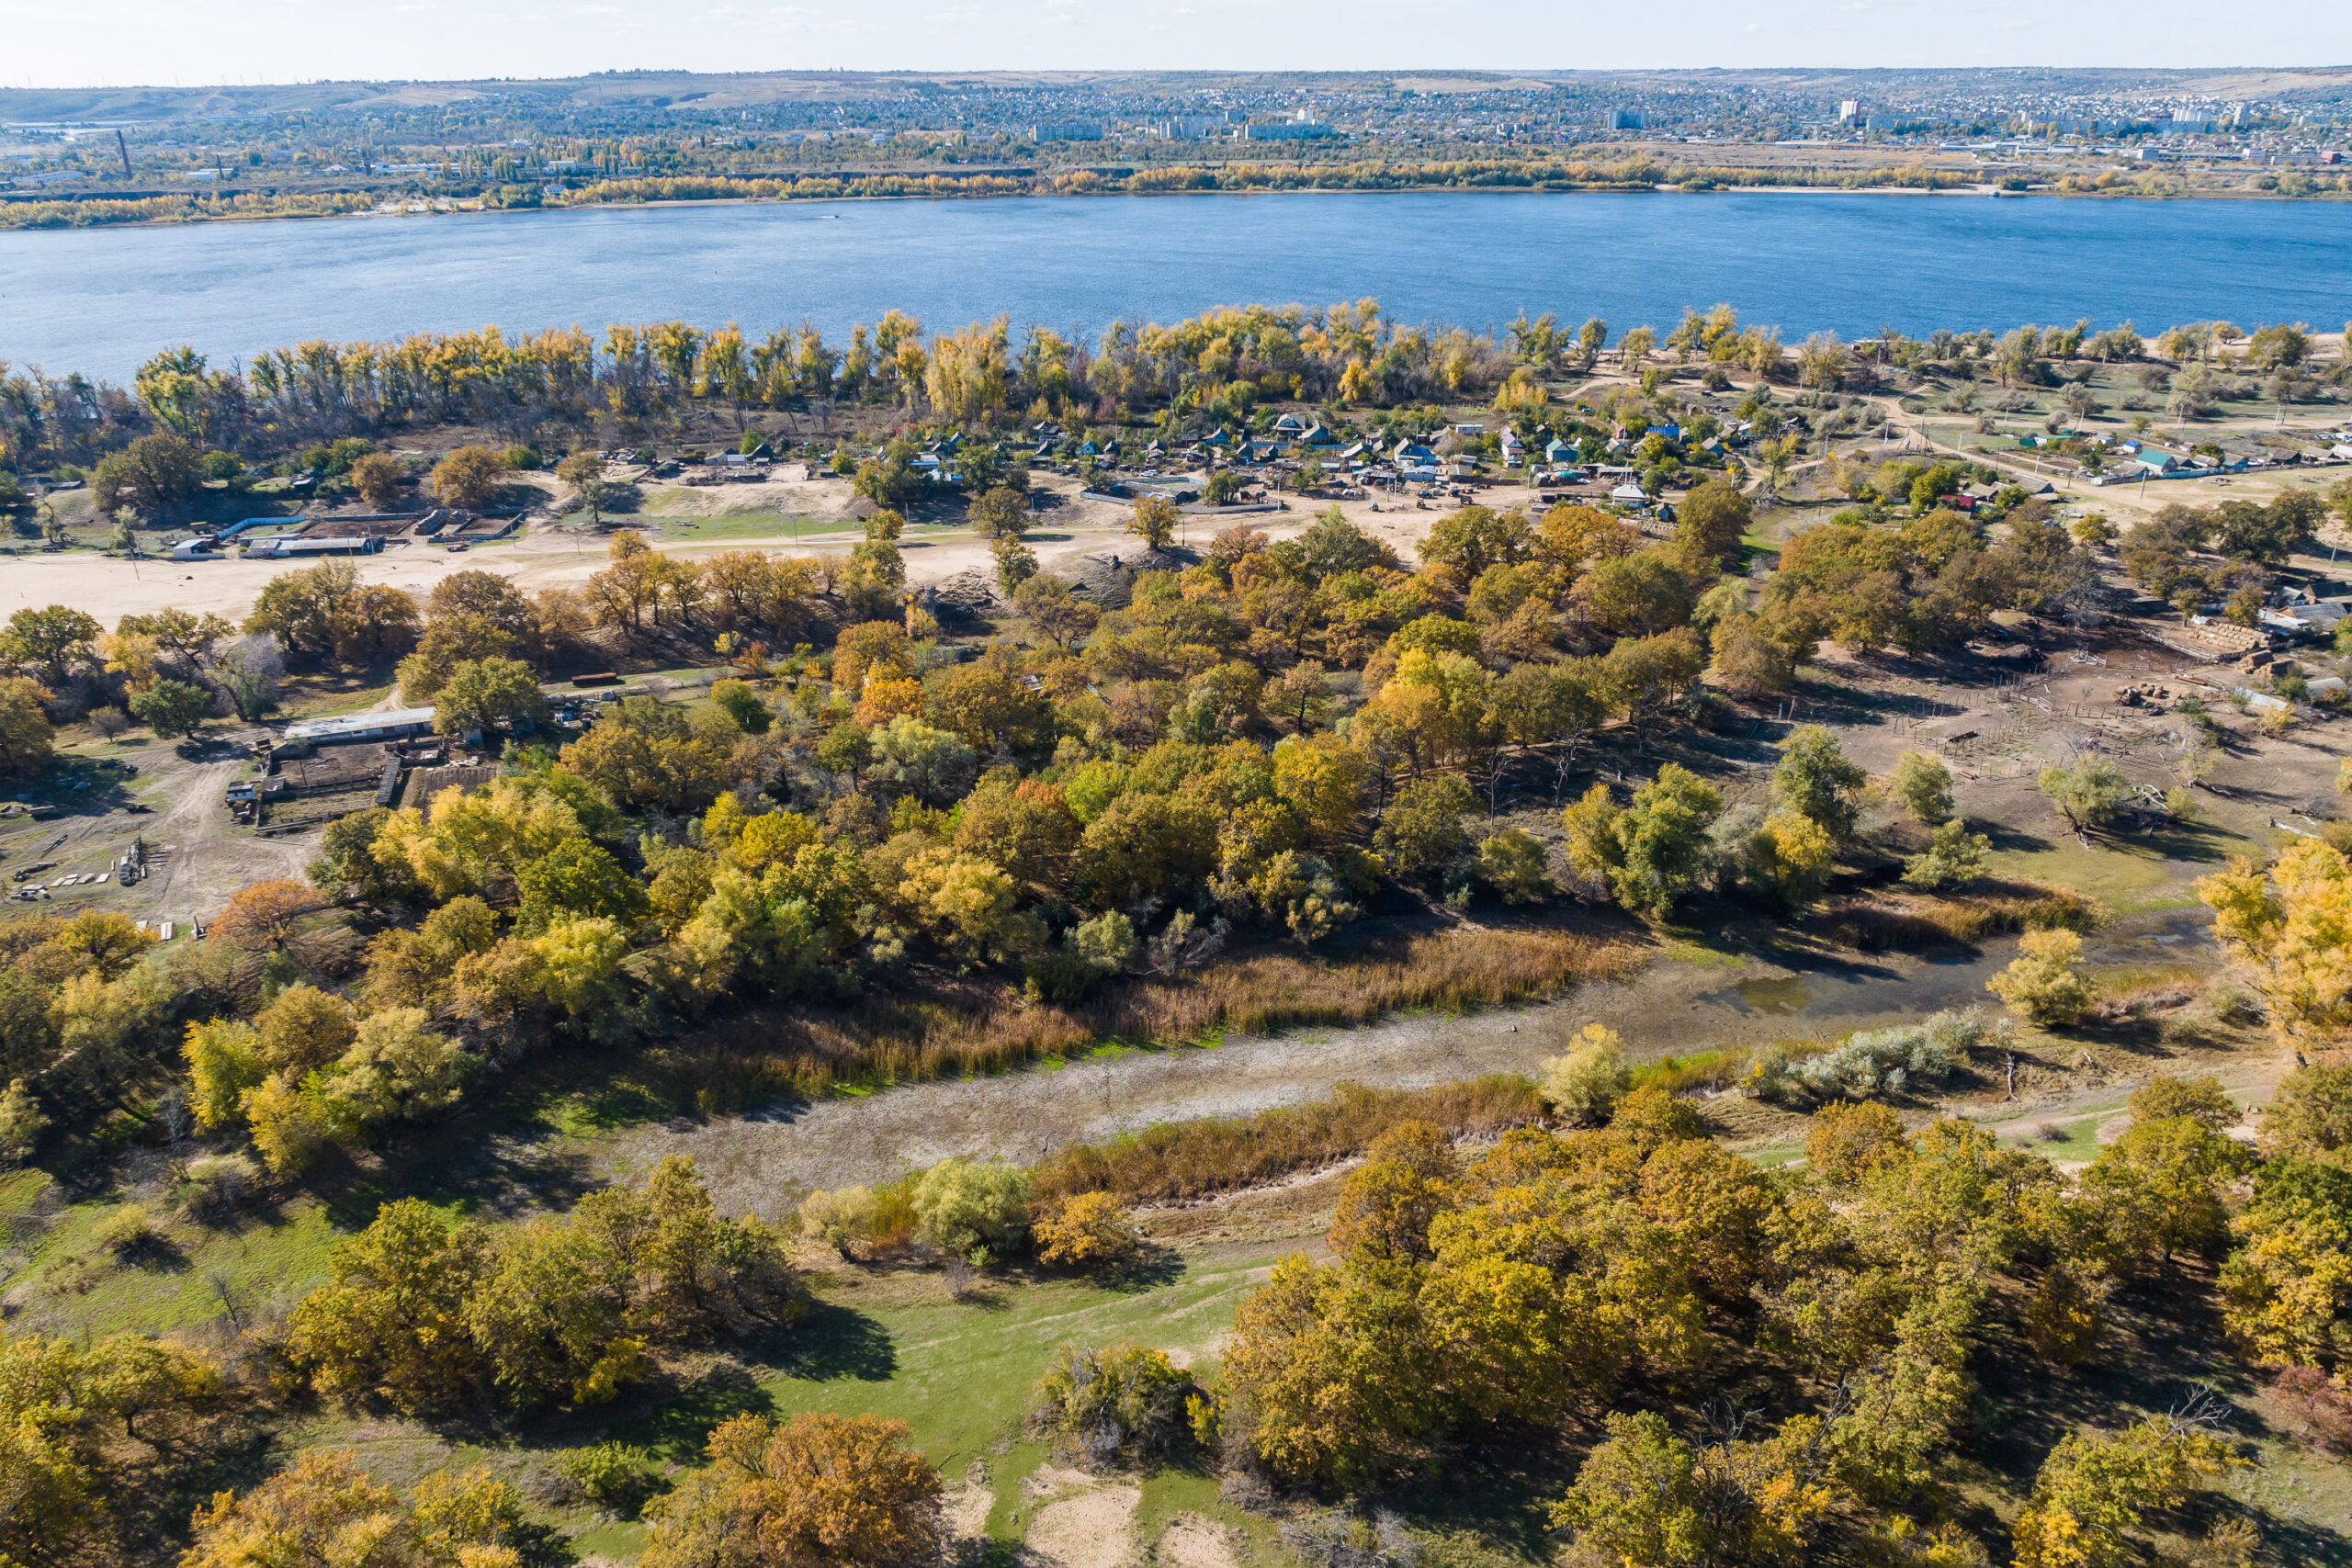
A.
pixel 2293 926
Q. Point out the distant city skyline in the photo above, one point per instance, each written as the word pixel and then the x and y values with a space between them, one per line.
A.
pixel 76 43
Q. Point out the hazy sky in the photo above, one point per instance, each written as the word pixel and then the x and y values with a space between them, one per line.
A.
pixel 78 43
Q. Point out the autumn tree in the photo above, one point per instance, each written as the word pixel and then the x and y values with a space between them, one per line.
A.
pixel 266 914
pixel 2095 1488
pixel 377 479
pixel 468 477
pixel 2291 927
pixel 819 1490
pixel 325 1508
pixel 27 742
pixel 1155 521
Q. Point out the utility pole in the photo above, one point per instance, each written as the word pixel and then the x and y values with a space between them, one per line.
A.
pixel 123 147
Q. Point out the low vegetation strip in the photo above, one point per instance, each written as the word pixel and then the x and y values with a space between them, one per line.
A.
pixel 898 1040
pixel 1191 1159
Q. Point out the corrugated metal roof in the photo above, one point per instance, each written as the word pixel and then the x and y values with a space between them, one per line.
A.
pixel 359 724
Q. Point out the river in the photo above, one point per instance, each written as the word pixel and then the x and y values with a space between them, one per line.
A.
pixel 101 300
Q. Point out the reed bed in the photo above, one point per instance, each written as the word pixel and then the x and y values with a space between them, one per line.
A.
pixel 959 1029
pixel 1177 1160
pixel 1897 922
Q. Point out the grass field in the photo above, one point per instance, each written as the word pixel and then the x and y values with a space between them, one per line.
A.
pixel 889 1342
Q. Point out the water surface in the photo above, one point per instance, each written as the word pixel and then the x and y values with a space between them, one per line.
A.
pixel 101 300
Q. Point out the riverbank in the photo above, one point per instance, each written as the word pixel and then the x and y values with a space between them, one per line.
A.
pixel 169 209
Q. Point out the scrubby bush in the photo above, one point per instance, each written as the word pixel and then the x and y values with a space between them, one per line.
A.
pixel 1583 1084
pixel 1122 1402
pixel 1879 1061
pixel 1512 863
pixel 2045 981
pixel 841 1219
pixel 1955 858
pixel 615 1476
pixel 973 1211
pixel 1089 1230
pixel 129 1228
pixel 212 1185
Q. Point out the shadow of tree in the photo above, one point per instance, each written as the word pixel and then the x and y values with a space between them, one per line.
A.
pixel 833 1342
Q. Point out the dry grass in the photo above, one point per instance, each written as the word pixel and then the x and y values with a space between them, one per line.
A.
pixel 958 1028
pixel 1897 921
pixel 1195 1158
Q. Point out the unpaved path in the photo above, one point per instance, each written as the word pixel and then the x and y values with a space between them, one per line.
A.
pixel 764 1162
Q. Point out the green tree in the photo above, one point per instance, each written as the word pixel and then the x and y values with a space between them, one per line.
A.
pixel 1420 833
pixel 1465 543
pixel 391 1324
pixel 1955 858
pixel 1653 852
pixel 52 645
pixel 490 694
pixel 2089 794
pixel 1924 787
pixel 970 1210
pixel 575 879
pixel 1815 779
pixel 2045 980
pixel 889 477
pixel 156 474
pixel 1002 512
pixel 584 472
pixel 173 707
pixel 742 705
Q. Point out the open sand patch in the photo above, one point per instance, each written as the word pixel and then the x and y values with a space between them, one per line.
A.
pixel 1192 1541
pixel 1091 1525
pixel 966 1511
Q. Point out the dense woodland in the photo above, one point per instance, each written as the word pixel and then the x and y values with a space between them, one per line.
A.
pixel 954 855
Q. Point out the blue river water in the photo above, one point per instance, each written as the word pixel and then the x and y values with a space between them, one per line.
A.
pixel 101 300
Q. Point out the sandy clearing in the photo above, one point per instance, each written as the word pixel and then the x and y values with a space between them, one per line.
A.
pixel 1092 1526
pixel 1192 1541
pixel 966 1511
pixel 565 553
